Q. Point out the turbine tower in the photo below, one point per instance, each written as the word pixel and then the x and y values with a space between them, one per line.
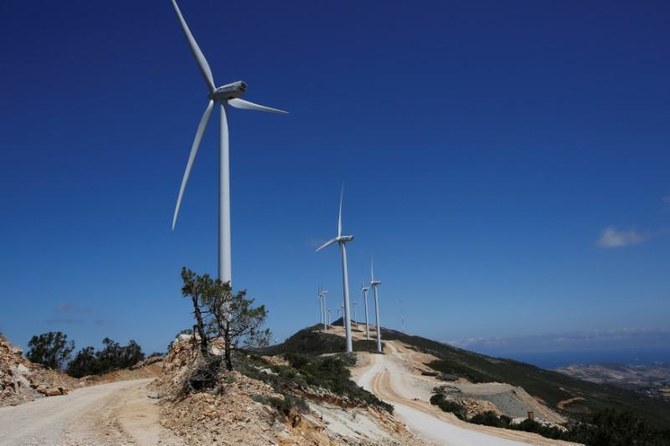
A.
pixel 365 289
pixel 374 284
pixel 342 240
pixel 318 296
pixel 224 96
pixel 322 296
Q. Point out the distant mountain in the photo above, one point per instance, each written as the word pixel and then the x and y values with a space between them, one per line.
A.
pixel 650 380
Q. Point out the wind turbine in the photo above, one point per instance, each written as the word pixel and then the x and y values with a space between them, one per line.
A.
pixel 322 298
pixel 224 96
pixel 342 240
pixel 365 289
pixel 318 297
pixel 374 284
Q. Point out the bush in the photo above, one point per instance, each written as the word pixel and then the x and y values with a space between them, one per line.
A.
pixel 205 376
pixel 529 425
pixel 489 418
pixel 112 357
pixel 449 406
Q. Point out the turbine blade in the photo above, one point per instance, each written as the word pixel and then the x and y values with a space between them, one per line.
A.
pixel 339 216
pixel 195 49
pixel 372 269
pixel 194 151
pixel 328 243
pixel 246 105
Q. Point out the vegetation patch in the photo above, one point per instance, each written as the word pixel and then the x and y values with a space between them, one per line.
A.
pixel 306 373
pixel 313 341
pixel 606 428
pixel 449 406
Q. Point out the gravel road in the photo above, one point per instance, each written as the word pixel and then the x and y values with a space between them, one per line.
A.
pixel 119 413
pixel 389 377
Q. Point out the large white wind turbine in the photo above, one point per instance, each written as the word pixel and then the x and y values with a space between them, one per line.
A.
pixel 365 289
pixel 342 240
pixel 226 95
pixel 374 284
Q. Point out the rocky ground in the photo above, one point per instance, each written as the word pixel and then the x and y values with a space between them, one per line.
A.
pixel 397 377
pixel 237 409
pixel 241 410
pixel 22 381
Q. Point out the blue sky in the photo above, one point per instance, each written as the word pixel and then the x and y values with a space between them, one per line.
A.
pixel 506 163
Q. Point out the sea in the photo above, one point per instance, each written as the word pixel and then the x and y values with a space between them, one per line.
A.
pixel 554 360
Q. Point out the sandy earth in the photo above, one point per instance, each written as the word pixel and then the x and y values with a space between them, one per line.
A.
pixel 390 377
pixel 119 413
pixel 123 413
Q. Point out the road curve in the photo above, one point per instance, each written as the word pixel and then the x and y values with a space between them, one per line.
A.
pixel 388 377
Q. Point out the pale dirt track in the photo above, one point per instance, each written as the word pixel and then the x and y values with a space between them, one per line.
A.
pixel 390 377
pixel 119 413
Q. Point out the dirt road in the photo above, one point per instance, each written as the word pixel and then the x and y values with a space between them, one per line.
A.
pixel 119 413
pixel 389 376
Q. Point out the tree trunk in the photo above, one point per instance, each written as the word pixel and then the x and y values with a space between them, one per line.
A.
pixel 200 325
pixel 227 353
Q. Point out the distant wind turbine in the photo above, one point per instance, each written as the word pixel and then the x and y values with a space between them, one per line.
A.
pixel 342 240
pixel 374 284
pixel 322 297
pixel 365 289
pixel 226 95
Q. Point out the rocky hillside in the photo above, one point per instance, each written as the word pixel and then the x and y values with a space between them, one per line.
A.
pixel 22 381
pixel 265 401
pixel 650 380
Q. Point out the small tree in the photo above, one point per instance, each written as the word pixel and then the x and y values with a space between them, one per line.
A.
pixel 51 349
pixel 112 357
pixel 194 287
pixel 84 363
pixel 220 313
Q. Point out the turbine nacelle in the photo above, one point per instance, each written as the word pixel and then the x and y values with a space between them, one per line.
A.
pixel 375 283
pixel 229 91
pixel 340 239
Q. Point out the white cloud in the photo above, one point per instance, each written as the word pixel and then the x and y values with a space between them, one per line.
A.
pixel 614 238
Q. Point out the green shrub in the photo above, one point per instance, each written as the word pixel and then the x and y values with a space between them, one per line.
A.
pixel 449 406
pixel 489 418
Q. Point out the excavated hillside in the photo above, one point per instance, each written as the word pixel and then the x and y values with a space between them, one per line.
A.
pixel 267 404
pixel 22 380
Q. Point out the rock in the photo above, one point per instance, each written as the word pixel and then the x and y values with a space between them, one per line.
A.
pixel 54 391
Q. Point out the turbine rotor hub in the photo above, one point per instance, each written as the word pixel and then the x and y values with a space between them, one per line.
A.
pixel 229 91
